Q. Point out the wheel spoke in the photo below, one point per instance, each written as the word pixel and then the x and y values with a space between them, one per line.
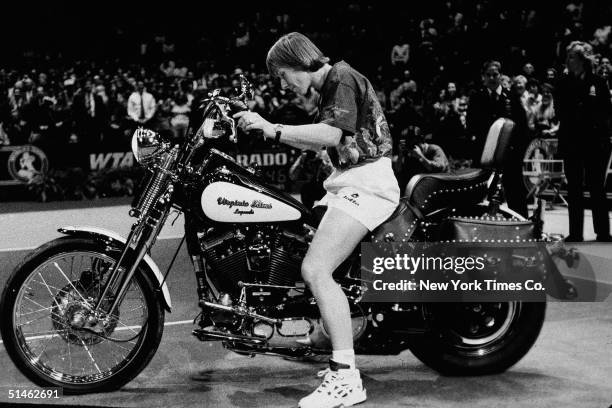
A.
pixel 49 338
pixel 48 290
pixel 52 334
pixel 70 283
pixel 36 311
pixel 90 356
pixel 47 328
pixel 45 284
pixel 126 327
pixel 69 356
pixel 136 308
pixel 39 305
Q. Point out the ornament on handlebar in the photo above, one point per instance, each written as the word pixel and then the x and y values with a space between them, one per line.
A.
pixel 217 115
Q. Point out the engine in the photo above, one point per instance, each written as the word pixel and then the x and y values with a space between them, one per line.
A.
pixel 272 257
pixel 257 255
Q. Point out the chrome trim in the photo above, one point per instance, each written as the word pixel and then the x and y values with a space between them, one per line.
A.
pixel 263 285
pixel 35 358
pixel 204 335
pixel 293 319
pixel 499 333
pixel 239 311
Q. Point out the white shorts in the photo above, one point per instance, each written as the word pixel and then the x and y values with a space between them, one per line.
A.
pixel 368 193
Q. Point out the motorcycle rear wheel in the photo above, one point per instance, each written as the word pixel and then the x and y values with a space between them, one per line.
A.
pixel 76 360
pixel 479 338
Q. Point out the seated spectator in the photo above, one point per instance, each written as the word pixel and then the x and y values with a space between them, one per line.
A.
pixel 396 92
pixel 445 100
pixel 551 76
pixel 400 54
pixel 451 91
pixel 450 131
pixel 533 102
pixel 180 115
pixel 519 88
pixel 529 71
pixel 409 83
pixel 506 83
pixel 604 70
pixel 546 122
pixel 406 89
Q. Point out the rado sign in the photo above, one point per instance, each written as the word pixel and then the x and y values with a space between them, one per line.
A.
pixel 263 159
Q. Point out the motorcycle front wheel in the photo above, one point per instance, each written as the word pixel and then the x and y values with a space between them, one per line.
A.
pixel 47 324
pixel 478 338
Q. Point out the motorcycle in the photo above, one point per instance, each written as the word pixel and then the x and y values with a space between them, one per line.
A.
pixel 86 311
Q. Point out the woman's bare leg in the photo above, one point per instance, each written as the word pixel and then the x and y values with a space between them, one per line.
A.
pixel 337 236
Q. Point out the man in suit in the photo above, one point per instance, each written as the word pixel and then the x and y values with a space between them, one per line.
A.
pixel 141 106
pixel 486 105
pixel 583 106
pixel 90 115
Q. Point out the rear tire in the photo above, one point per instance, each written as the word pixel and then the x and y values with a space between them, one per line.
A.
pixel 453 348
pixel 145 344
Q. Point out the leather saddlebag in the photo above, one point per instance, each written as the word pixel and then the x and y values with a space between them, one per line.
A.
pixel 488 229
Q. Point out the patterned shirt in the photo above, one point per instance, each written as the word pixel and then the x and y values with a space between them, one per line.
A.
pixel 348 102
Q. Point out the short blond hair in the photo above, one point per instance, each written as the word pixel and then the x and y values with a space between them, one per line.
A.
pixel 296 51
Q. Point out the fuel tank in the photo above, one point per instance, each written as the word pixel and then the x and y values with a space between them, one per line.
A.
pixel 232 194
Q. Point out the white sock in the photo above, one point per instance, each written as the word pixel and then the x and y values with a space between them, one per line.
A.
pixel 344 357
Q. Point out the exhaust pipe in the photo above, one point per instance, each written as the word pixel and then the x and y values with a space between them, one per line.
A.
pixel 241 311
pixel 211 335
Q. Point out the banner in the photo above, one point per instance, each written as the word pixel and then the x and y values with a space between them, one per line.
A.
pixel 20 164
pixel 273 164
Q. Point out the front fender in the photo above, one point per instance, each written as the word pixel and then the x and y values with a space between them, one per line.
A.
pixel 107 235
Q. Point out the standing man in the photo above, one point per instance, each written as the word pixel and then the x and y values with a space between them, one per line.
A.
pixel 487 105
pixel 90 115
pixel 141 106
pixel 584 108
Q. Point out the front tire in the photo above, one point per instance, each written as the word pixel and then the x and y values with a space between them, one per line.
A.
pixel 480 338
pixel 31 297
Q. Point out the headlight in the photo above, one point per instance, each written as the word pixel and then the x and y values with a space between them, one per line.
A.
pixel 147 145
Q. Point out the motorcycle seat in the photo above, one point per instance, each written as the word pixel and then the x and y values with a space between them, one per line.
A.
pixel 434 191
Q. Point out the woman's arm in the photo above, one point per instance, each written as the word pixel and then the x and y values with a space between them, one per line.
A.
pixel 313 136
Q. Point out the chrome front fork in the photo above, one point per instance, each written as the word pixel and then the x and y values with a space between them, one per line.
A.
pixel 142 236
pixel 139 242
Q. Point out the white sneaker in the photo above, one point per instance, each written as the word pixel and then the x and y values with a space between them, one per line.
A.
pixel 342 388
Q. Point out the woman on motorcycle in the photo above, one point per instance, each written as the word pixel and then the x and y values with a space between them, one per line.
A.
pixel 362 191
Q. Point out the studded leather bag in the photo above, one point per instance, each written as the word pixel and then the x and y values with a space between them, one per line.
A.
pixel 488 229
pixel 398 228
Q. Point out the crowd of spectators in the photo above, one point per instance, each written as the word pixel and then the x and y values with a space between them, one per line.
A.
pixel 423 63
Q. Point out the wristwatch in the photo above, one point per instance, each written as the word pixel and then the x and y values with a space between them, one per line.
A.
pixel 277 131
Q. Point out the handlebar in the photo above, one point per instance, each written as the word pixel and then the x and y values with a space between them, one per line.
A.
pixel 235 104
